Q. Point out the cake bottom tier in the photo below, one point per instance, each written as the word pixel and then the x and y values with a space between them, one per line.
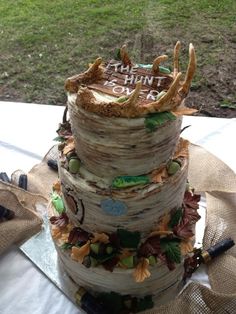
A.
pixel 163 284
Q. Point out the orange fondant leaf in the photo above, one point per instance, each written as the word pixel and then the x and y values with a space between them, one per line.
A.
pixel 186 246
pixel 78 253
pixel 182 148
pixel 100 237
pixel 141 271
pixel 56 232
pixel 70 145
pixel 160 233
pixel 179 111
pixel 159 174
pixel 163 224
pixel 57 186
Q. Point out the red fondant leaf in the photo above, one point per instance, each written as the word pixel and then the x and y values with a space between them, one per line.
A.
pixel 184 229
pixel 191 200
pixel 111 263
pixel 150 247
pixel 60 221
pixel 78 235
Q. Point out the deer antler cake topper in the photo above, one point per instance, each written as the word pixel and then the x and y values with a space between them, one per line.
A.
pixel 136 82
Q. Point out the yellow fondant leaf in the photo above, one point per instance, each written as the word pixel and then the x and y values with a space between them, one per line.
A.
pixel 141 271
pixel 78 253
pixel 182 148
pixel 163 224
pixel 57 186
pixel 100 237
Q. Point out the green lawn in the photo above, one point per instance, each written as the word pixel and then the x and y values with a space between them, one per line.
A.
pixel 43 42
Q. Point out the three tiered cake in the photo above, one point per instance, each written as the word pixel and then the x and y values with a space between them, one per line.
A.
pixel 123 216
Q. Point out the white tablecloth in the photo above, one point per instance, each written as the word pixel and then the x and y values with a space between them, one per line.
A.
pixel 26 134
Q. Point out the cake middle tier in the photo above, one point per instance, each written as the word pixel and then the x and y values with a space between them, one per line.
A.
pixel 110 147
pixel 97 207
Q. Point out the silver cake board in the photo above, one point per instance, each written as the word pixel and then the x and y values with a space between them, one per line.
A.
pixel 41 251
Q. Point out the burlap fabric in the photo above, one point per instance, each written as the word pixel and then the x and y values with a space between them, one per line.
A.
pixel 207 174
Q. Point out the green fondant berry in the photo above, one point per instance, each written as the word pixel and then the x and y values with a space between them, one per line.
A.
pixel 152 260
pixel 74 165
pixel 109 249
pixel 173 167
pixel 95 248
pixel 128 261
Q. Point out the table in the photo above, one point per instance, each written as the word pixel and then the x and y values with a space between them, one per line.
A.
pixel 26 134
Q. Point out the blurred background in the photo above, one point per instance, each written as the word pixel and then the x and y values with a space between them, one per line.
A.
pixel 43 42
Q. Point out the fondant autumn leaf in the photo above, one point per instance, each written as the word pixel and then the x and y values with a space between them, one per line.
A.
pixel 184 229
pixel 100 237
pixel 111 263
pixel 171 248
pixel 59 221
pixel 158 175
pixel 78 254
pixel 191 199
pixel 186 246
pixel 78 235
pixel 150 247
pixel 182 149
pixel 191 214
pixel 70 145
pixel 141 271
pixel 163 224
pixel 179 111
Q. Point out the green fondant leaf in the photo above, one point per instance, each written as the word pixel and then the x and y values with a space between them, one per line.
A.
pixel 59 139
pixel 164 70
pixel 128 239
pixel 172 249
pixel 112 301
pixel 175 218
pixel 154 120
pixel 145 303
pixel 128 181
pixel 66 246
pixel 117 54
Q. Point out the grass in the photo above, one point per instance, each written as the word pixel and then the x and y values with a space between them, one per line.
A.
pixel 43 42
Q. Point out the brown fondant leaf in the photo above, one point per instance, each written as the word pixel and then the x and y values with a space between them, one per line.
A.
pixel 78 254
pixel 100 237
pixel 141 271
pixel 182 148
pixel 159 174
pixel 70 145
pixel 186 246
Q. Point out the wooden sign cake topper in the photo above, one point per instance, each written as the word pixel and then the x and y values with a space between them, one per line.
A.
pixel 139 89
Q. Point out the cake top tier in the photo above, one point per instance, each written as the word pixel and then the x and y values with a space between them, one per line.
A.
pixel 122 88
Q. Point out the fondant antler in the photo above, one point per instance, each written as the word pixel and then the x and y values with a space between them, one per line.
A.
pixel 176 59
pixel 124 56
pixel 93 73
pixel 157 61
pixel 164 103
pixel 190 71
